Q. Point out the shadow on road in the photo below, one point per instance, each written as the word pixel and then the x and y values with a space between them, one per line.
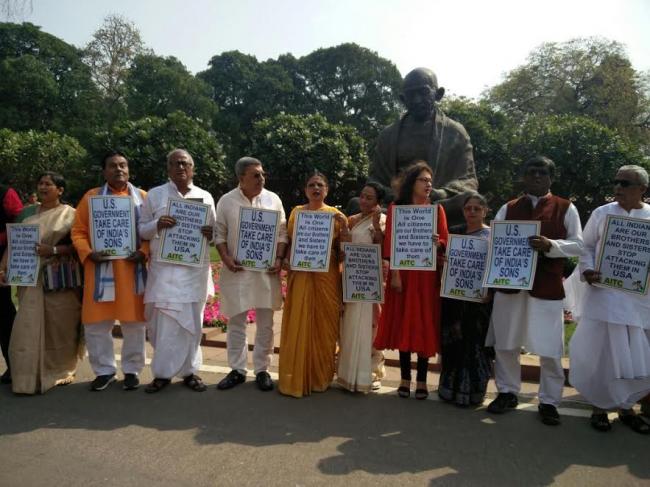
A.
pixel 380 434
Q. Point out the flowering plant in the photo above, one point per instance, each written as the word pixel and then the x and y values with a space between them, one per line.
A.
pixel 213 317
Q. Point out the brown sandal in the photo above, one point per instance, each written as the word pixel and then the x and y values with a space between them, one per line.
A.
pixel 195 383
pixel 157 385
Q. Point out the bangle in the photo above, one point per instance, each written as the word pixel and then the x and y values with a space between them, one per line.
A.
pixel 54 250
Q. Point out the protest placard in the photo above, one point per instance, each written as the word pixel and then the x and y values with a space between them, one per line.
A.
pixel 624 256
pixel 462 276
pixel 257 237
pixel 311 243
pixel 362 273
pixel 112 225
pixel 412 245
pixel 23 262
pixel 511 259
pixel 184 243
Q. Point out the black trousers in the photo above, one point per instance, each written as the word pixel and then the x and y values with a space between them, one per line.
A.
pixel 405 367
pixel 7 315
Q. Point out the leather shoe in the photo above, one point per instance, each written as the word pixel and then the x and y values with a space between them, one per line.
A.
pixel 505 401
pixel 234 378
pixel 264 381
pixel 548 414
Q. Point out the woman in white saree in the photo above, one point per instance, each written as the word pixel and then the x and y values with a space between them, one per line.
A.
pixel 360 366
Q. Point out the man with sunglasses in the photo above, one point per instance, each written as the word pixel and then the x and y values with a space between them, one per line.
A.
pixel 534 319
pixel 425 133
pixel 242 290
pixel 610 350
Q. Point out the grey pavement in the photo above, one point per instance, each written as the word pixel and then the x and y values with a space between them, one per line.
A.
pixel 73 437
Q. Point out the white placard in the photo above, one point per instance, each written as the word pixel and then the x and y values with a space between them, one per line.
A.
pixel 511 260
pixel 311 243
pixel 362 273
pixel 112 225
pixel 257 237
pixel 184 243
pixel 23 262
pixel 624 256
pixel 462 276
pixel 412 245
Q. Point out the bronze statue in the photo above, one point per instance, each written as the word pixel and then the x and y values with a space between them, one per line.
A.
pixel 425 133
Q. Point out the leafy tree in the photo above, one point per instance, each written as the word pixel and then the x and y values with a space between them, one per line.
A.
pixel 43 83
pixel 109 55
pixel 158 86
pixel 23 155
pixel 586 153
pixel 146 143
pixel 245 90
pixel 292 146
pixel 589 77
pixel 492 134
pixel 352 85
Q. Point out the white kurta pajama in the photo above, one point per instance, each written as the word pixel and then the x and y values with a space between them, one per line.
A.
pixel 610 350
pixel 521 320
pixel 244 290
pixel 176 294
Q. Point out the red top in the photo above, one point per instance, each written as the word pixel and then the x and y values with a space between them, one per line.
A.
pixel 410 319
pixel 12 206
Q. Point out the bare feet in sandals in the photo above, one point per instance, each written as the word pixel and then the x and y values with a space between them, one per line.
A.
pixel 195 383
pixel 157 385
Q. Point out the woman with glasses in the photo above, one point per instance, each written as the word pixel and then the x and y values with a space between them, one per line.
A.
pixel 466 362
pixel 610 350
pixel 410 320
pixel 310 321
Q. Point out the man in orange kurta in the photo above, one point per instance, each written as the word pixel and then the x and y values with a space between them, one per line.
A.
pixel 123 304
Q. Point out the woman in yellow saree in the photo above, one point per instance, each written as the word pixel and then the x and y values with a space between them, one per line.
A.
pixel 45 343
pixel 312 310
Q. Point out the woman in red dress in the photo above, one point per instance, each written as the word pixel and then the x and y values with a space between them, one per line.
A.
pixel 410 321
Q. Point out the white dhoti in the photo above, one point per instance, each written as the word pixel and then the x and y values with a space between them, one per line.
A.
pixel 521 320
pixel 175 331
pixel 238 343
pixel 99 343
pixel 610 363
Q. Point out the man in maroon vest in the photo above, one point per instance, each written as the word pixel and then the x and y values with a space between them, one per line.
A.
pixel 534 319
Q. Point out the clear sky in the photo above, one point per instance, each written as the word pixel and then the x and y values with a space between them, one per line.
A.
pixel 470 44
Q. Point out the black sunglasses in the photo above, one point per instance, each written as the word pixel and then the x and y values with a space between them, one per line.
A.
pixel 624 183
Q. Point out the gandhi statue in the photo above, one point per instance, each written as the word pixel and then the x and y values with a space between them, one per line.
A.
pixel 425 133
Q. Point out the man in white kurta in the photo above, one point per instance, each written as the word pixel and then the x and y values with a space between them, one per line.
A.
pixel 524 320
pixel 176 294
pixel 241 289
pixel 610 350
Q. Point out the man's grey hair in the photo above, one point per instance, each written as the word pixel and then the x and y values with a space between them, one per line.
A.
pixel 641 174
pixel 242 164
pixel 179 151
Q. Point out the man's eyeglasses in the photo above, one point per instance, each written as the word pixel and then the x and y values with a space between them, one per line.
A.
pixel 624 183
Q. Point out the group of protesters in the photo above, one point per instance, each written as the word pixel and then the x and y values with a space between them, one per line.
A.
pixel 146 296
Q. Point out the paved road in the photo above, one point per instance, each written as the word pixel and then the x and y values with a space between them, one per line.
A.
pixel 72 437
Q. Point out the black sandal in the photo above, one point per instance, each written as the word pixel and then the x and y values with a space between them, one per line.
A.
pixel 635 423
pixel 421 394
pixel 157 385
pixel 600 422
pixel 195 383
pixel 404 392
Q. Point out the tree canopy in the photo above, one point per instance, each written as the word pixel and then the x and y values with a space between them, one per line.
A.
pixel 293 146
